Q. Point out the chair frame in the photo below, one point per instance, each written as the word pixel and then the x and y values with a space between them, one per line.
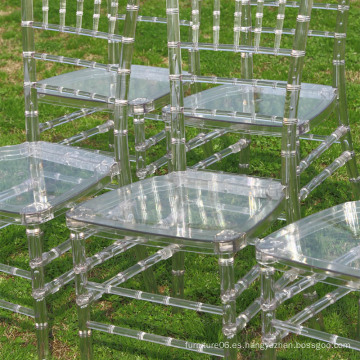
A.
pixel 226 245
pixel 274 330
pixel 175 118
pixel 90 103
pixel 33 220
pixel 291 131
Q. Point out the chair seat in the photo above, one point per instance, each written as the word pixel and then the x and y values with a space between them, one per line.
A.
pixel 39 178
pixel 146 82
pixel 328 240
pixel 203 206
pixel 262 106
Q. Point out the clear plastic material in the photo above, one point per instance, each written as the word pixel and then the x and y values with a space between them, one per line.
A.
pixel 39 180
pixel 66 172
pixel 208 211
pixel 100 86
pixel 252 106
pixel 157 339
pixel 195 205
pixel 325 246
pixel 327 240
pixel 267 104
pixel 146 83
pixel 202 208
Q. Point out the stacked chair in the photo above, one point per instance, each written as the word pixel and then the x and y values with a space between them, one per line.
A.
pixel 41 180
pixel 212 212
pixel 186 210
pixel 92 89
pixel 291 109
pixel 189 209
pixel 253 107
pixel 323 247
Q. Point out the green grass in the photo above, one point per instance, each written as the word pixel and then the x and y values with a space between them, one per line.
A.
pixel 17 339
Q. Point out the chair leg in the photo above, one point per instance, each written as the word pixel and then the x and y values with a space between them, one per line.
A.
pixel 111 134
pixel 35 244
pixel 339 81
pixel 178 272
pixel 178 258
pixel 244 158
pixel 140 251
pixel 82 298
pixel 194 68
pixel 84 332
pixel 248 100
pixel 351 166
pixel 228 299
pixel 167 128
pixel 268 312
pixel 307 296
pixel 140 153
pixel 298 159
pixel 289 162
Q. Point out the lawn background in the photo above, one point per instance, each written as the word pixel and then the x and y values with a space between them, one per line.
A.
pixel 17 339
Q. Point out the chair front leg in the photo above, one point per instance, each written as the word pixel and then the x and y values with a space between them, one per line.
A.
pixel 268 305
pixel 347 145
pixel 228 299
pixel 35 245
pixel 178 272
pixel 82 296
pixel 244 158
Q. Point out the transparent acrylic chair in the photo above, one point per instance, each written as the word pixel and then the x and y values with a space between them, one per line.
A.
pixel 92 88
pixel 289 109
pixel 323 247
pixel 41 180
pixel 186 210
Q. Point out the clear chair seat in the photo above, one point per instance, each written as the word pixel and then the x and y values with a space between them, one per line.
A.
pixel 146 82
pixel 257 106
pixel 328 240
pixel 201 206
pixel 40 177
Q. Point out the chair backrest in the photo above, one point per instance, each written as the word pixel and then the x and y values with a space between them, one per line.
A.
pixel 81 19
pixel 251 37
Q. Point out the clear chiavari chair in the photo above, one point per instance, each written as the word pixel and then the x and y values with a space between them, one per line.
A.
pixel 90 88
pixel 255 106
pixel 323 247
pixel 40 180
pixel 186 210
pixel 289 109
